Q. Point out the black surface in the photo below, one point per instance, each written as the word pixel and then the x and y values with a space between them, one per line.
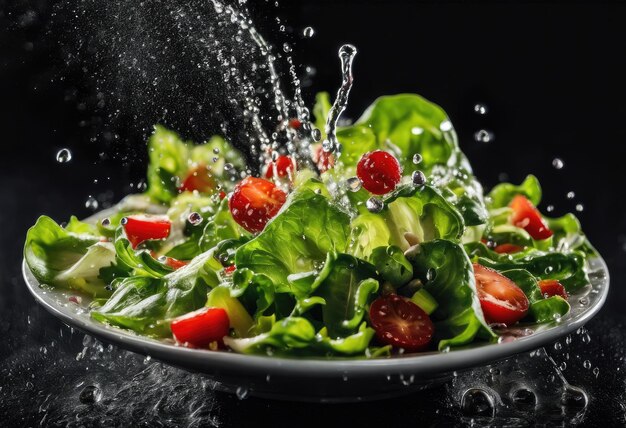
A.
pixel 552 76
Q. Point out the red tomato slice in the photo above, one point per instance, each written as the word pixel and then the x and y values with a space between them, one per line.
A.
pixel 323 160
pixel 379 171
pixel 507 249
pixel 230 269
pixel 552 287
pixel 142 227
pixel 401 323
pixel 201 327
pixel 285 166
pixel 254 202
pixel 295 123
pixel 501 299
pixel 526 216
pixel 200 179
pixel 175 263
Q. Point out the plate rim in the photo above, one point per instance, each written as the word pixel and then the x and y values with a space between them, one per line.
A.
pixel 426 364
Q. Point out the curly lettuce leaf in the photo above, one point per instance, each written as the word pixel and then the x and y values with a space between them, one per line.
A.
pixel 392 265
pixel 62 258
pixel 147 305
pixel 502 194
pixel 297 240
pixel 447 274
pixel 421 212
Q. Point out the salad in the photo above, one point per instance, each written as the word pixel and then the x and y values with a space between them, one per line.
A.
pixel 387 246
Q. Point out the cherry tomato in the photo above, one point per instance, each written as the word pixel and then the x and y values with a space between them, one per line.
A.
pixel 401 323
pixel 552 287
pixel 501 299
pixel 200 179
pixel 201 327
pixel 143 227
pixel 222 194
pixel 507 249
pixel 254 202
pixel 526 216
pixel 379 172
pixel 285 166
pixel 175 263
pixel 229 269
pixel 323 160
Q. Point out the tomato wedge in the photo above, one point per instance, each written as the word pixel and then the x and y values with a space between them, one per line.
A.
pixel 254 202
pixel 401 323
pixel 175 263
pixel 507 249
pixel 201 327
pixel 143 227
pixel 526 216
pixel 284 165
pixel 552 287
pixel 200 179
pixel 501 299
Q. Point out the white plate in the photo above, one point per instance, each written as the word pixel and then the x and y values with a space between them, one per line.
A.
pixel 332 380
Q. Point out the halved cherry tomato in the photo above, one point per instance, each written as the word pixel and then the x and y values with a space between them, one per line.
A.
pixel 507 249
pixel 526 216
pixel 254 202
pixel 201 327
pixel 401 323
pixel 200 179
pixel 379 172
pixel 552 287
pixel 143 227
pixel 285 166
pixel 323 160
pixel 501 299
pixel 175 263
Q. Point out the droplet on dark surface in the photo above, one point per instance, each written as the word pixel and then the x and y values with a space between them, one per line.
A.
pixel 524 397
pixel 574 398
pixel 90 394
pixel 64 156
pixel 477 402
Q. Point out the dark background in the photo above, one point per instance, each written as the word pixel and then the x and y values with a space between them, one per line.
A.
pixel 551 76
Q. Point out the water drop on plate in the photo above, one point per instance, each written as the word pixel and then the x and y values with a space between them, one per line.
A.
pixel 64 156
pixel 477 402
pixel 374 205
pixel 524 397
pixel 574 398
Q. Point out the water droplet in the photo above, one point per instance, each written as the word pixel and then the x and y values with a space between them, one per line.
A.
pixel 417 158
pixel 242 392
pixel 228 166
pixel 90 394
pixel 354 184
pixel 64 155
pixel 91 203
pixel 563 366
pixel 216 150
pixel 105 222
pixel 524 397
pixel 587 364
pixel 574 398
pixel 286 47
pixel 308 32
pixel 480 109
pixel 550 208
pixel 418 178
pixel 558 346
pixel 483 136
pixel 316 134
pixel 477 402
pixel 579 207
pixel 445 126
pixel 586 338
pixel 583 301
pixel 194 218
pixel 571 195
pixel 431 274
pixel 374 205
pixel 416 130
pixel 596 372
pixel 558 163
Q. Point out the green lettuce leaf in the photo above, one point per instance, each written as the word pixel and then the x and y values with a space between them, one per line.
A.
pixel 61 258
pixel 502 194
pixel 447 274
pixel 392 265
